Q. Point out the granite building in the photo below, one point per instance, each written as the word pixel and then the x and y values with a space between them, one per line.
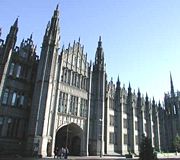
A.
pixel 62 100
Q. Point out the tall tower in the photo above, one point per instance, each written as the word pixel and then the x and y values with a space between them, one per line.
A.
pixel 43 110
pixel 97 103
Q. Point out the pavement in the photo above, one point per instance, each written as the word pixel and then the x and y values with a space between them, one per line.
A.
pixel 84 158
pixel 69 158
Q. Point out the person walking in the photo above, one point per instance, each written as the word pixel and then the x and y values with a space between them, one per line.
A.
pixel 56 152
pixel 66 153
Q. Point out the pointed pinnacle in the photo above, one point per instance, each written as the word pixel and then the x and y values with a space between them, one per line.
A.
pixel 57 7
pixel 31 36
pixel 118 78
pixel 16 22
pixel 99 38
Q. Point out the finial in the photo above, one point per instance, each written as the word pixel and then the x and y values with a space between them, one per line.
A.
pixel 31 36
pixel 100 42
pixel 172 86
pixel 82 48
pixel 159 104
pixel 57 7
pixel 63 47
pixel 69 45
pixel 16 22
pixel 118 78
pixel 99 38
pixel 138 90
pixel 129 85
pixel 153 101
pixel 79 40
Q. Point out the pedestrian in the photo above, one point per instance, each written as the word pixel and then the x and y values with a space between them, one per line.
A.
pixel 62 151
pixel 59 153
pixel 36 148
pixel 56 152
pixel 66 153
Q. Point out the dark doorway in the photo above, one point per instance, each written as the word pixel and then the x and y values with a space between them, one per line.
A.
pixel 76 141
pixel 69 136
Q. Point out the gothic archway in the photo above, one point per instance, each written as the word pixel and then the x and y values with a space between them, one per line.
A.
pixel 69 136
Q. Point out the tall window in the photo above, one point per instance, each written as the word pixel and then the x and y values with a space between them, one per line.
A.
pixel 111 103
pixel 5 96
pixel 76 106
pixel 82 83
pixel 136 125
pixel 11 69
pixel 137 140
pixel 63 102
pixel 124 108
pixel 125 139
pixel 21 100
pixel 111 122
pixel 136 111
pixel 1 124
pixel 13 102
pixel 83 108
pixel 73 108
pixel 18 71
pixel 174 108
pixel 111 138
pixel 9 129
pixel 125 123
pixel 78 80
pixel 69 76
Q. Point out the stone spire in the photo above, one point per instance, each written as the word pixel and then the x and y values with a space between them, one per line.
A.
pixel 10 40
pixel 99 58
pixel 172 86
pixel 118 83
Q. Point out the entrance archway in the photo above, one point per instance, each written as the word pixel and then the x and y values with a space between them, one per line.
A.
pixel 69 136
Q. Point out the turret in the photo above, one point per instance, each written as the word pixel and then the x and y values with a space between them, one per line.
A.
pixel 42 120
pixel 10 40
pixel 147 98
pixel 8 47
pixel 139 93
pixel 129 89
pixel 99 58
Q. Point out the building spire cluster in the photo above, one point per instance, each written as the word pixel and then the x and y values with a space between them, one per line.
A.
pixel 64 100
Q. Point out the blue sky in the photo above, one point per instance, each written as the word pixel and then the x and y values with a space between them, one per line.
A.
pixel 141 38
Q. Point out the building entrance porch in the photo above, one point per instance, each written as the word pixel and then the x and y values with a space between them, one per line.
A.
pixel 70 136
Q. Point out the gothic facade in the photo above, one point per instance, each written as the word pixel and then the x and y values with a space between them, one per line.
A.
pixel 62 100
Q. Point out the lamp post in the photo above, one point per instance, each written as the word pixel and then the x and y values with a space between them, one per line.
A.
pixel 67 130
pixel 67 135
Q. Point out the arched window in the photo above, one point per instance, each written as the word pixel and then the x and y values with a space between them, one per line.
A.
pixel 13 102
pixel 18 71
pixel 11 70
pixel 5 96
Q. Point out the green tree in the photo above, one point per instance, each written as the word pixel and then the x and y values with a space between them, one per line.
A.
pixel 146 150
pixel 177 143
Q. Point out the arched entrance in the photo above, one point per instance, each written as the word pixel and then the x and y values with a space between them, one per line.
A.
pixel 69 136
